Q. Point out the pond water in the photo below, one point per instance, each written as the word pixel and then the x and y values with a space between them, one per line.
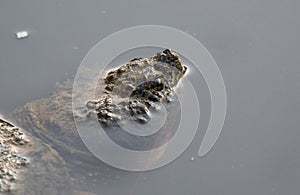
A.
pixel 255 43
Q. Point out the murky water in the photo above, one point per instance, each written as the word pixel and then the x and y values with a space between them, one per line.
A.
pixel 255 44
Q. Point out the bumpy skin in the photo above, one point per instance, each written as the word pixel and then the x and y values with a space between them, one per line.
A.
pixel 137 87
pixel 134 89
pixel 21 172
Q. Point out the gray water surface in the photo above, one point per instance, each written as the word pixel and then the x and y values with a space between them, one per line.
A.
pixel 256 45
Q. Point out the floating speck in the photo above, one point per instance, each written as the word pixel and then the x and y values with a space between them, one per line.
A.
pixel 193 158
pixel 22 34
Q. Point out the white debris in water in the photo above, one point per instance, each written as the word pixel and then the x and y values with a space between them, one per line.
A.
pixel 193 158
pixel 22 34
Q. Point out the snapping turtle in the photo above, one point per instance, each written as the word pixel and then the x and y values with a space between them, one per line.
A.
pixel 132 93
pixel 134 88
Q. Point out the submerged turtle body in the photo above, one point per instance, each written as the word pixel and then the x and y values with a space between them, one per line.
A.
pixel 133 90
pixel 25 159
